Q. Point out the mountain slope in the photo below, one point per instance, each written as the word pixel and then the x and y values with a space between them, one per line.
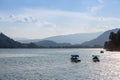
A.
pixel 48 43
pixel 72 38
pixel 100 40
pixel 6 42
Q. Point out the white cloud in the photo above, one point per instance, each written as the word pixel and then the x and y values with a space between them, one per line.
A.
pixel 109 19
pixel 95 9
pixel 33 23
pixel 45 24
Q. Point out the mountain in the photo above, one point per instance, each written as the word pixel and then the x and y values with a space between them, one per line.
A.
pixel 28 40
pixel 6 42
pixel 72 38
pixel 48 43
pixel 100 40
pixel 52 44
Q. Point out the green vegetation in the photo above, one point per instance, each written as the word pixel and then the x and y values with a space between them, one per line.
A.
pixel 114 42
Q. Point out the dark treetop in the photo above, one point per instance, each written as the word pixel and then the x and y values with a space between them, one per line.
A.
pixel 113 44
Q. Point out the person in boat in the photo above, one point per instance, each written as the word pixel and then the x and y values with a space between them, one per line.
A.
pixel 95 58
pixel 75 58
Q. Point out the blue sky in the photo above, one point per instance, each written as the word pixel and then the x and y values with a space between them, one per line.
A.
pixel 43 18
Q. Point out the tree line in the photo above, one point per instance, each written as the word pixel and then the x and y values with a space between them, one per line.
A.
pixel 113 44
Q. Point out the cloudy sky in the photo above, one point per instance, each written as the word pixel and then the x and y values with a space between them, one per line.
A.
pixel 43 18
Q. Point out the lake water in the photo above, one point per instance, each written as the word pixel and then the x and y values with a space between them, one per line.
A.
pixel 55 64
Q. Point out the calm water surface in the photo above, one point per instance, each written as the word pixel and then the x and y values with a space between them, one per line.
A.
pixel 54 64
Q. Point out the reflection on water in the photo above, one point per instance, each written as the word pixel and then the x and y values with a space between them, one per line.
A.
pixel 54 64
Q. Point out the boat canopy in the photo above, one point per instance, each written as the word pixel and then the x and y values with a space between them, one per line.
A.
pixel 95 55
pixel 74 55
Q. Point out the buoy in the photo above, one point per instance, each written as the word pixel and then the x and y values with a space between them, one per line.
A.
pixel 101 51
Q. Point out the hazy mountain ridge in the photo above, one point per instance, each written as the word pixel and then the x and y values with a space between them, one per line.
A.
pixel 6 42
pixel 71 38
pixel 48 43
pixel 100 40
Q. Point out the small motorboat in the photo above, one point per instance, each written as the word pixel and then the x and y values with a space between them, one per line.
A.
pixel 75 58
pixel 101 51
pixel 95 58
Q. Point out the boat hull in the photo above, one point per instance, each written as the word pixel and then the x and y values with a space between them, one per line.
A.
pixel 75 60
pixel 96 60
